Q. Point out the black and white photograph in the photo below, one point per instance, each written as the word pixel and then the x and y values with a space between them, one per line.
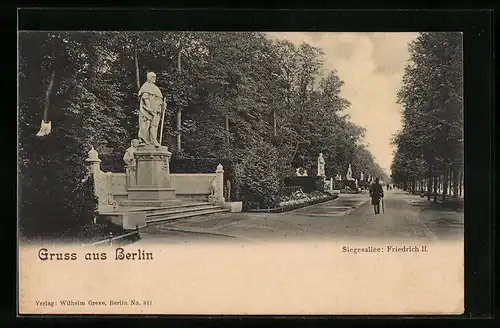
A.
pixel 136 146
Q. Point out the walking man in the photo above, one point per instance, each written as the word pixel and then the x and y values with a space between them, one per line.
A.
pixel 376 193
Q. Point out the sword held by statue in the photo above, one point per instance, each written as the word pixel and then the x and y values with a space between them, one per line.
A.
pixel 164 109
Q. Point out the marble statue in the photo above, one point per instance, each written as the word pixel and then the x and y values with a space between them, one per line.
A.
pixel 151 106
pixel 297 172
pixel 321 165
pixel 305 173
pixel 213 186
pixel 361 178
pixel 128 157
pixel 349 173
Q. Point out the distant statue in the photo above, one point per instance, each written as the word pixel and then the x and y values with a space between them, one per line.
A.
pixel 361 178
pixel 151 106
pixel 321 165
pixel 305 173
pixel 129 158
pixel 349 173
pixel 297 172
pixel 228 190
pixel 356 181
pixel 338 177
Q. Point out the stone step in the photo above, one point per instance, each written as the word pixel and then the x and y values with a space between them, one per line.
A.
pixel 165 208
pixel 178 210
pixel 186 215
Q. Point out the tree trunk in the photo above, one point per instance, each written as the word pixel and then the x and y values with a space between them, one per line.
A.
pixel 274 122
pixel 179 113
pixel 429 187
pixel 429 183
pixel 455 184
pixel 435 189
pixel 179 118
pixel 439 184
pixel 288 99
pixel 136 60
pixel 227 128
pixel 450 183
pixel 445 182
pixel 47 97
pixel 461 181
pixel 179 56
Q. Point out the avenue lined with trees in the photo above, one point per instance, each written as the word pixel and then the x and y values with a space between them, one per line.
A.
pixel 266 106
pixel 429 158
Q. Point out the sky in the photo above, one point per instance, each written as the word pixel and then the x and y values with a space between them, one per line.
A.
pixel 372 67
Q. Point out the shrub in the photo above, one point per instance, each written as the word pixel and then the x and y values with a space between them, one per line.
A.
pixel 260 175
pixel 319 183
pixel 53 197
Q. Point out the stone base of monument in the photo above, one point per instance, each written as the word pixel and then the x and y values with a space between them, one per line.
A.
pixel 126 220
pixel 151 193
pixel 150 203
pixel 152 185
pixel 233 207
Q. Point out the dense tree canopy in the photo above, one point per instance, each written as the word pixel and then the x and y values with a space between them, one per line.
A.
pixel 430 144
pixel 267 104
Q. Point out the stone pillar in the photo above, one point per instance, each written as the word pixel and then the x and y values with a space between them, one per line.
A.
pixel 331 184
pixel 101 181
pixel 131 176
pixel 152 178
pixel 219 182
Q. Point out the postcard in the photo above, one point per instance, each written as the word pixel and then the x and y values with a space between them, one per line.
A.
pixel 259 173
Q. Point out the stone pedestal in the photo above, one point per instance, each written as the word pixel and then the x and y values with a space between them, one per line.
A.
pixel 219 182
pixel 125 220
pixel 152 178
pixel 131 177
pixel 234 207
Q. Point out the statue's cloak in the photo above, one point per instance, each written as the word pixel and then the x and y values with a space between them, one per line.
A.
pixel 150 88
pixel 154 98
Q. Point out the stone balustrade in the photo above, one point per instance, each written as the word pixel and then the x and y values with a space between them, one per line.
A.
pixel 192 185
pixel 102 182
pixel 112 188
